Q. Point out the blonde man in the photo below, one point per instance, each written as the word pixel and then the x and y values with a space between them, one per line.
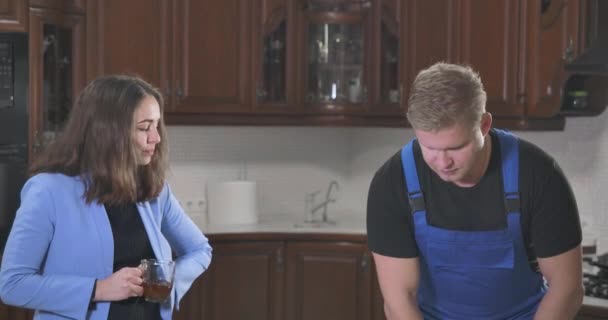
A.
pixel 470 222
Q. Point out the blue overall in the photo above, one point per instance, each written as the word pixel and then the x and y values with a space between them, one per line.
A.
pixel 475 274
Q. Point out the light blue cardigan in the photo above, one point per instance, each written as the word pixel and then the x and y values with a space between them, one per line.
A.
pixel 59 245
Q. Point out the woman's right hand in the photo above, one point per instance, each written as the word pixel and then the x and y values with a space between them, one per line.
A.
pixel 122 284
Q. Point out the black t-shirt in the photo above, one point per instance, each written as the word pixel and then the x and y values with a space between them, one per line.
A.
pixel 131 244
pixel 549 215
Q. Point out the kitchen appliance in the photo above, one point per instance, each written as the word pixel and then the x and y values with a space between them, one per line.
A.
pixel 13 126
pixel 13 171
pixel 596 280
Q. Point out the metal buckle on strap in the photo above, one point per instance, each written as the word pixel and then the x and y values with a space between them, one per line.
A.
pixel 512 202
pixel 416 200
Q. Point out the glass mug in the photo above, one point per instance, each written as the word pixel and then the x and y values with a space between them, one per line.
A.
pixel 157 279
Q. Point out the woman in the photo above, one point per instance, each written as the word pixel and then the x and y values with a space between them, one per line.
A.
pixel 96 205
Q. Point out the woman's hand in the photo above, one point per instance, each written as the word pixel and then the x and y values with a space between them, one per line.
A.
pixel 122 284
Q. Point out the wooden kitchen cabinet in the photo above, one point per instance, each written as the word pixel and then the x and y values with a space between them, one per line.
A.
pixel 12 313
pixel 245 281
pixel 286 276
pixel 267 64
pixel 13 15
pixel 488 40
pixel 115 44
pixel 520 49
pixel 592 313
pixel 551 41
pixel 56 72
pixel 328 280
pixel 212 50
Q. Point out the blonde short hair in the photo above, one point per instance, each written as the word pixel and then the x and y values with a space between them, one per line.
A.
pixel 445 94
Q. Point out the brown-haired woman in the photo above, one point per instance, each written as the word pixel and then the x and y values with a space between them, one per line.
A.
pixel 97 203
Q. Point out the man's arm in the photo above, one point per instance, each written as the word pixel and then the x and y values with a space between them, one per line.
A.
pixel 563 273
pixel 398 278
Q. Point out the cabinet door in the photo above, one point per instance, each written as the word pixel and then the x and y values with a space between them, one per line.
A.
pixel 487 40
pixel 56 72
pixel 244 281
pixel 213 56
pixel 274 55
pixel 329 280
pixel 14 313
pixel 388 53
pixel 592 313
pixel 551 40
pixel 118 45
pixel 13 15
pixel 430 27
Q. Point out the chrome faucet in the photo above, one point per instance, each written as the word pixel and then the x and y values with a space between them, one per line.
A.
pixel 328 199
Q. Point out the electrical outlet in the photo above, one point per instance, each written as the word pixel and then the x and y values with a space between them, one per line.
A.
pixel 194 205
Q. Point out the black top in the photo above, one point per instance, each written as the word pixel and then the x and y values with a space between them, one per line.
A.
pixel 549 215
pixel 131 244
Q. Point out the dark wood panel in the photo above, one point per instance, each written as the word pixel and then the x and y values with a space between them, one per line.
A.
pixel 551 39
pixel 431 30
pixel 592 313
pixel 13 313
pixel 71 6
pixel 13 15
pixel 488 41
pixel 117 45
pixel 327 281
pixel 244 281
pixel 213 56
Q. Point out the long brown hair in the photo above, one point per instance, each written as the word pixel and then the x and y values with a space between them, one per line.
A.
pixel 97 143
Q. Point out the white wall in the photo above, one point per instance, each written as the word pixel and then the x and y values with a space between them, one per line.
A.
pixel 288 162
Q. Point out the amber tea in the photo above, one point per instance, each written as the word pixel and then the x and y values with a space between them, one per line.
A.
pixel 157 291
pixel 157 279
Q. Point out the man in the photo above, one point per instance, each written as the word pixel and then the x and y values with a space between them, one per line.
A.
pixel 469 222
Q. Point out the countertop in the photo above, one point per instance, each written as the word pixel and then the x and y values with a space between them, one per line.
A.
pixel 597 302
pixel 282 225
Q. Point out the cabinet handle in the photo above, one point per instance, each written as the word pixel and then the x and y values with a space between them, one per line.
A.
pixel 569 51
pixel 400 94
pixel 279 260
pixel 364 262
pixel 178 91
pixel 167 90
pixel 260 92
pixel 37 146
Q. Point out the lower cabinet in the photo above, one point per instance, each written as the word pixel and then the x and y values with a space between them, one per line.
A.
pixel 12 313
pixel 286 276
pixel 592 313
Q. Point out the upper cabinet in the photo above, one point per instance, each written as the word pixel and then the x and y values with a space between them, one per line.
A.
pixel 334 62
pixel 115 44
pixel 212 44
pixel 487 39
pixel 56 71
pixel 13 15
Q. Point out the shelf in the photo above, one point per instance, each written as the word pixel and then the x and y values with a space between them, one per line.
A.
pixel 594 91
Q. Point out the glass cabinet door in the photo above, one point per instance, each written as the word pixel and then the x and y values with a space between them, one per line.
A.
pixel 57 47
pixel 56 79
pixel 335 55
pixel 274 56
pixel 390 88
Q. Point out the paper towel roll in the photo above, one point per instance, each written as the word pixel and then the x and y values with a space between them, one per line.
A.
pixel 233 202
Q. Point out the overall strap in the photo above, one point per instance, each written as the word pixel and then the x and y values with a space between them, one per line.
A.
pixel 414 194
pixel 509 150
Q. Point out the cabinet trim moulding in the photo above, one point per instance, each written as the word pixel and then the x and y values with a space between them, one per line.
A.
pixel 15 19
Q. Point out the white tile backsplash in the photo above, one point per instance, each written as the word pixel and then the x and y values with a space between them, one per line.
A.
pixel 288 162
